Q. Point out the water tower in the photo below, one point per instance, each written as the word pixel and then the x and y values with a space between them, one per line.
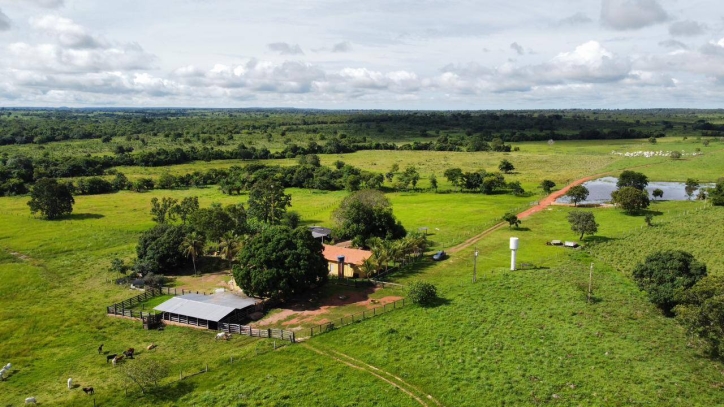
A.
pixel 513 250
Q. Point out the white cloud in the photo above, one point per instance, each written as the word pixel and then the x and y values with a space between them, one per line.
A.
pixel 47 3
pixel 5 22
pixel 631 14
pixel 284 48
pixel 687 28
pixel 67 33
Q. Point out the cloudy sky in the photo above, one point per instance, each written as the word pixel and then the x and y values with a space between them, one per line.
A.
pixel 382 54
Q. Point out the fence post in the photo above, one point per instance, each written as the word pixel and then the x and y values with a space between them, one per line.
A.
pixel 268 333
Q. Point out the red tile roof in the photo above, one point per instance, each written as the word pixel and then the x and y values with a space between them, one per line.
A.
pixel 351 256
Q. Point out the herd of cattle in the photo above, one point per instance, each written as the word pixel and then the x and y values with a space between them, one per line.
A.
pixel 114 358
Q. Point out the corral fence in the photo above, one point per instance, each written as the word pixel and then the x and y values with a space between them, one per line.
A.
pixel 354 318
pixel 259 333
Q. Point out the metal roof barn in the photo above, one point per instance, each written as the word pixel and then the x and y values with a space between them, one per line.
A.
pixel 208 307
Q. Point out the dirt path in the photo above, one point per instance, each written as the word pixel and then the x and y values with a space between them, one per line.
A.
pixel 542 204
pixel 418 395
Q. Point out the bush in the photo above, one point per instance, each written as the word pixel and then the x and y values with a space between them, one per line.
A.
pixel 158 249
pixel 422 293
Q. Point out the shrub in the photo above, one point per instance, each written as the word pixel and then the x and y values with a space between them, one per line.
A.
pixel 422 293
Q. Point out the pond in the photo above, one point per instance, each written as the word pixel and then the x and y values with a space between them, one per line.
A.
pixel 600 191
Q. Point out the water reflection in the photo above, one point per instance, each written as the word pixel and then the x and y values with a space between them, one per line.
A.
pixel 600 191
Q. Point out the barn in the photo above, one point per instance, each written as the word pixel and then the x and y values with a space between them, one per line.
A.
pixel 207 311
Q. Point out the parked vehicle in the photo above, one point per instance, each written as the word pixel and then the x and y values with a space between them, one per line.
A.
pixel 441 255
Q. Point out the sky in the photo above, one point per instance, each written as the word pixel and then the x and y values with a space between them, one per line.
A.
pixel 372 54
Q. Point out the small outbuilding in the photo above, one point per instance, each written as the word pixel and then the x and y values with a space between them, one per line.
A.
pixel 207 311
pixel 319 232
pixel 345 262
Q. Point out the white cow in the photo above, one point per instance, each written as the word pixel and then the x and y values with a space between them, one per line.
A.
pixel 223 335
pixel 30 400
pixel 70 383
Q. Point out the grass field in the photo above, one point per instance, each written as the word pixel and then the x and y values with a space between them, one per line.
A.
pixel 513 338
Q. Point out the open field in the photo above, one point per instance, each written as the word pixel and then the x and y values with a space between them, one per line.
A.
pixel 513 338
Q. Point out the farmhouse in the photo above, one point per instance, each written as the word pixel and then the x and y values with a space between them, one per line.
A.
pixel 207 311
pixel 345 262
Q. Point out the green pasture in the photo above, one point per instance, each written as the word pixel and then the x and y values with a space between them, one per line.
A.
pixel 529 337
pixel 513 338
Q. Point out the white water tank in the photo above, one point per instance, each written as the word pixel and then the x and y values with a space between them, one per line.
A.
pixel 513 243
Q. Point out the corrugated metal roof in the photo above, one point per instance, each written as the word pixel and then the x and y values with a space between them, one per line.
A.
pixel 210 307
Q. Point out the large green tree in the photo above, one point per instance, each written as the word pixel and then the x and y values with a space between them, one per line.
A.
pixel 547 185
pixel 366 214
pixel 583 222
pixel 506 166
pixel 268 202
pixel 281 262
pixel 630 199
pixel 51 198
pixel 665 275
pixel 701 311
pixel 215 221
pixel 159 249
pixel 577 193
pixel 634 179
pixel 716 194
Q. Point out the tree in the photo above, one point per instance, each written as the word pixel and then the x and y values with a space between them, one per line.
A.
pixel 516 188
pixel 118 266
pixel 229 246
pixel 632 179
pixel 547 186
pixel 268 202
pixel 433 182
pixel 492 182
pixel 652 140
pixel 365 214
pixel 512 220
pixel 188 205
pixel 701 311
pixel 583 222
pixel 51 198
pixel 158 248
pixel 454 176
pixel 422 293
pixel 215 221
pixel 506 166
pixel 166 181
pixel 410 176
pixel 281 262
pixel 192 246
pixel 691 186
pixel 145 372
pixel 291 219
pixel 630 199
pixel 716 194
pixel 665 275
pixel 163 211
pixel 657 193
pixel 649 219
pixel 675 155
pixel 577 193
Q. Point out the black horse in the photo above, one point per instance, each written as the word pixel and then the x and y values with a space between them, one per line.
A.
pixel 110 357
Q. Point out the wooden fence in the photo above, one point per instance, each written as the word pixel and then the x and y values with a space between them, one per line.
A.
pixel 259 333
pixel 351 319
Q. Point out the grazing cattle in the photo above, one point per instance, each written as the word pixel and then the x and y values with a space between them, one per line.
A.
pixel 70 383
pixel 100 349
pixel 111 357
pixel 129 353
pixel 8 366
pixel 117 358
pixel 89 391
pixel 30 400
pixel 151 346
pixel 223 335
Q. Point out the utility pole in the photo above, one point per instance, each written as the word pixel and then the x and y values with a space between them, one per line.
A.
pixel 590 283
pixel 475 266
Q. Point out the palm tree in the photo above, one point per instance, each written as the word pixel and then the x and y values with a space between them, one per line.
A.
pixel 229 245
pixel 193 246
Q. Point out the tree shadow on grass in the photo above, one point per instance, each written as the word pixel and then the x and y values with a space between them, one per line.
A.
pixel 598 239
pixel 437 302
pixel 83 216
